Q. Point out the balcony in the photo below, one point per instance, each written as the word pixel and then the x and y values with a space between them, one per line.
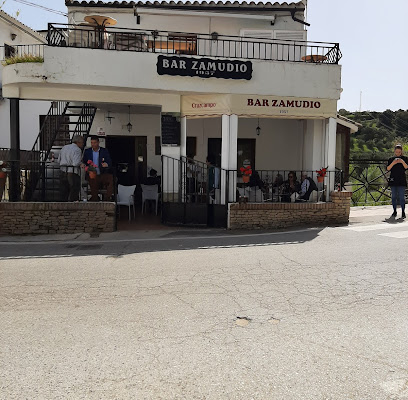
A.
pixel 82 63
pixel 211 45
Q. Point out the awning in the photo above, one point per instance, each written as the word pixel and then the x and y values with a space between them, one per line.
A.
pixel 257 106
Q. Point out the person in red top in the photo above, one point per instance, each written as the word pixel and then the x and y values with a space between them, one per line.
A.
pixel 398 181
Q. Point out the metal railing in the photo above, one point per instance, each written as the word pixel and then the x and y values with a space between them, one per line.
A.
pixel 163 42
pixel 23 51
pixel 17 184
pixel 275 186
pixel 369 182
pixel 49 131
pixel 190 181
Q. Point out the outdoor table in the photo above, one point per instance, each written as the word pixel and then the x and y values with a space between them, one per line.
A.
pixel 100 22
pixel 316 58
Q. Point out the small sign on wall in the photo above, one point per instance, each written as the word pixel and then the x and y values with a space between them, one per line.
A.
pixel 170 130
pixel 101 132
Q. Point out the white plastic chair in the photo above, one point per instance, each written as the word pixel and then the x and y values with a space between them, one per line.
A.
pixel 126 198
pixel 150 192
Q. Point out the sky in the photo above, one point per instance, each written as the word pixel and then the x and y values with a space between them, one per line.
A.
pixel 372 34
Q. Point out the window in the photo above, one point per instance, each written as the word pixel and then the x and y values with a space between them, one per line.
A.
pixel 246 152
pixel 9 51
pixel 157 146
pixel 191 146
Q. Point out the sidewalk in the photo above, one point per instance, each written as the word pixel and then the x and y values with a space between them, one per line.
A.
pixel 358 215
pixel 372 214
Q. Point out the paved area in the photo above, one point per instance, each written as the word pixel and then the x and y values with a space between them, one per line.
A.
pixel 307 314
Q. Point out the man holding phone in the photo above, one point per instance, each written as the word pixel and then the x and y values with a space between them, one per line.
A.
pixel 398 182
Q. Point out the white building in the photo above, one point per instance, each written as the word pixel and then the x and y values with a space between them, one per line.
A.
pixel 15 38
pixel 221 70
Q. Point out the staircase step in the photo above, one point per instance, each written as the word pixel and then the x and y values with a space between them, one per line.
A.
pixel 78 115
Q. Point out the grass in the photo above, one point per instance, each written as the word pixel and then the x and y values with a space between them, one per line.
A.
pixel 25 58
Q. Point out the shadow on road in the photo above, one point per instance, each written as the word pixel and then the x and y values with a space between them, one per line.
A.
pixel 121 247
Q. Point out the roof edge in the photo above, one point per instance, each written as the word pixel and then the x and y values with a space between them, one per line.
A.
pixel 203 5
pixel 26 29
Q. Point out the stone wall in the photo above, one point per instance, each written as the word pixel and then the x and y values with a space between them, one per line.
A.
pixel 285 215
pixel 42 218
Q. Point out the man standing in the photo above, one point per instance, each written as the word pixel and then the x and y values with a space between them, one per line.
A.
pixel 398 182
pixel 101 158
pixel 70 174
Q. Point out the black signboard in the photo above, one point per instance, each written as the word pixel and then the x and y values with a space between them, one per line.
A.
pixel 204 67
pixel 170 130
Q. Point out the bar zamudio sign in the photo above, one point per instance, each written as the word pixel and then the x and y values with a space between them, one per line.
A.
pixel 204 67
pixel 267 106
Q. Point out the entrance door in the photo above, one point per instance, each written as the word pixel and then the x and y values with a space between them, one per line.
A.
pixel 122 152
pixel 141 158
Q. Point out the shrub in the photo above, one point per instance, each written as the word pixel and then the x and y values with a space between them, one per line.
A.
pixel 25 58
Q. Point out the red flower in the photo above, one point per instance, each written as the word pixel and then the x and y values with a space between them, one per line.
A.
pixel 322 172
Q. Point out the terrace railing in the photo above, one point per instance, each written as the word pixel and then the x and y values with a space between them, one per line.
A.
pixel 212 45
pixel 21 53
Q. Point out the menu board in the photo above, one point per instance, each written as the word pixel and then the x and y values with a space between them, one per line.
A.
pixel 170 130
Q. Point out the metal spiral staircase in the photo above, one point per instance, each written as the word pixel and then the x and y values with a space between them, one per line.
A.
pixel 61 124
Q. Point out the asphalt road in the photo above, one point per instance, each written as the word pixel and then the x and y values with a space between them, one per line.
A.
pixel 313 314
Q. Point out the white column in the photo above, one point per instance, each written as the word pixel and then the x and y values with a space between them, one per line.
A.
pixel 233 148
pixel 229 129
pixel 330 152
pixel 183 137
pixel 225 154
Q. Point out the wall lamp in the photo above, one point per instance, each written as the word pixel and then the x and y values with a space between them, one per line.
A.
pixel 214 36
pixel 129 126
pixel 258 129
pixel 13 36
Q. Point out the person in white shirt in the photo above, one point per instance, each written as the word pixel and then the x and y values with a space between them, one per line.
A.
pixel 70 160
pixel 304 186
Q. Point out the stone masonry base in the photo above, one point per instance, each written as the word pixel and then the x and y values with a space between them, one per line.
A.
pixel 285 215
pixel 42 218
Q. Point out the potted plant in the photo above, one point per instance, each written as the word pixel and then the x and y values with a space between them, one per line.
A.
pixel 91 169
pixel 321 174
pixel 246 173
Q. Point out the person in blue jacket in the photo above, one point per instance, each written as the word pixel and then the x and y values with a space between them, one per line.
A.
pixel 100 157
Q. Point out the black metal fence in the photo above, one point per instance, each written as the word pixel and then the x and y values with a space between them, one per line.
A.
pixel 213 45
pixel 189 186
pixel 368 180
pixel 44 182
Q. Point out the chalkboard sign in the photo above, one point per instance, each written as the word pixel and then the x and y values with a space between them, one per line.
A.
pixel 170 130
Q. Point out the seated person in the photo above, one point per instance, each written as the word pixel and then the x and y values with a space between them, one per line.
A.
pixel 256 182
pixel 104 177
pixel 152 179
pixel 278 181
pixel 290 187
pixel 306 188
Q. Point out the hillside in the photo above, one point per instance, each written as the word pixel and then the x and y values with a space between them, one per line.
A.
pixel 379 132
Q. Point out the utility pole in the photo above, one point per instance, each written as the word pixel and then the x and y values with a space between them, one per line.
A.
pixel 361 99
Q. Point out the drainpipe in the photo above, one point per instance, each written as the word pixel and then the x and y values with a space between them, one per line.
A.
pixel 293 12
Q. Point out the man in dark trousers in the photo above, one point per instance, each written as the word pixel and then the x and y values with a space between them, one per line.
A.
pixel 398 182
pixel 104 178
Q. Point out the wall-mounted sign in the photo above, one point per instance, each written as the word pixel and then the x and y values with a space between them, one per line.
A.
pixel 252 106
pixel 101 132
pixel 204 67
pixel 170 130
